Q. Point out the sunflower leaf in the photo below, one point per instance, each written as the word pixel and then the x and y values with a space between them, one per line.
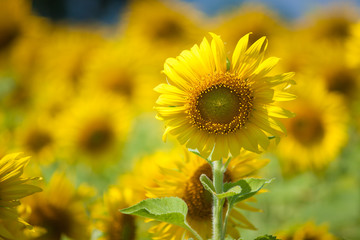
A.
pixel 207 183
pixel 172 210
pixel 249 187
pixel 229 193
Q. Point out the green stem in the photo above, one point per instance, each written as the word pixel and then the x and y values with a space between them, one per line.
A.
pixel 218 176
pixel 226 219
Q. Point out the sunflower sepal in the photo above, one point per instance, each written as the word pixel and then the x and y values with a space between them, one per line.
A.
pixel 171 210
pixel 196 152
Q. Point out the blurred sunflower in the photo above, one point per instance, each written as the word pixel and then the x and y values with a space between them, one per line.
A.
pixel 36 136
pixel 13 188
pixel 13 15
pixel 318 131
pixel 218 106
pixel 94 128
pixel 59 210
pixel 250 18
pixel 339 77
pixel 307 231
pixel 353 46
pixel 145 172
pixel 183 181
pixel 113 224
pixel 330 24
pixel 174 25
pixel 65 53
pixel 117 70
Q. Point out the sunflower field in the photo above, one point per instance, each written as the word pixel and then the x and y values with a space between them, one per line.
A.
pixel 171 123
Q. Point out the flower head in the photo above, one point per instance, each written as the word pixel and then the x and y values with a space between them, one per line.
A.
pixel 179 177
pixel 219 106
pixel 12 188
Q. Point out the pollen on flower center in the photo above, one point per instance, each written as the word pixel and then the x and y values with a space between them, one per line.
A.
pixel 198 200
pixel 219 105
pixel 222 105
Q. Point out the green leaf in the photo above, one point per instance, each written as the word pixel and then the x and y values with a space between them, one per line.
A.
pixel 266 237
pixel 207 184
pixel 229 193
pixel 249 187
pixel 172 210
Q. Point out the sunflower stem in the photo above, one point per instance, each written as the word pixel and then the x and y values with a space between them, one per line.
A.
pixel 218 176
pixel 226 220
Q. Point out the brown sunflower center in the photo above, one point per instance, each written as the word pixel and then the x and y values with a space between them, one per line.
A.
pixel 37 139
pixel 222 105
pixel 97 136
pixel 198 200
pixel 343 81
pixel 122 227
pixel 120 83
pixel 56 221
pixel 169 29
pixel 307 129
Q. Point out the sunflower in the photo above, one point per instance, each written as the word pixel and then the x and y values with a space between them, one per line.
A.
pixel 173 25
pixel 307 231
pixel 331 24
pixel 353 46
pixel 117 70
pixel 218 106
pixel 13 15
pixel 94 128
pixel 59 210
pixel 317 133
pixel 113 224
pixel 13 188
pixel 180 178
pixel 250 18
pixel 36 136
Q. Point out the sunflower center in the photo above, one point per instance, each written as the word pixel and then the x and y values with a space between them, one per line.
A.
pixel 342 81
pixel 198 200
pixel 307 129
pixel 98 136
pixel 56 221
pixel 37 139
pixel 219 105
pixel 122 227
pixel 222 105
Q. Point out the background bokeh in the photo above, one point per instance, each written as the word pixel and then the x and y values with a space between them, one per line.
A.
pixel 76 93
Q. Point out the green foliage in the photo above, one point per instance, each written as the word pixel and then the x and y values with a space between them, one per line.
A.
pixel 266 237
pixel 249 187
pixel 208 185
pixel 172 210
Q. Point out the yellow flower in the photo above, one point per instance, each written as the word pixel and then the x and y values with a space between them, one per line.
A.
pixel 318 131
pixel 94 129
pixel 13 187
pixel 12 20
pixel 180 178
pixel 259 20
pixel 36 136
pixel 173 25
pixel 220 106
pixel 307 231
pixel 59 210
pixel 118 70
pixel 113 224
pixel 331 24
